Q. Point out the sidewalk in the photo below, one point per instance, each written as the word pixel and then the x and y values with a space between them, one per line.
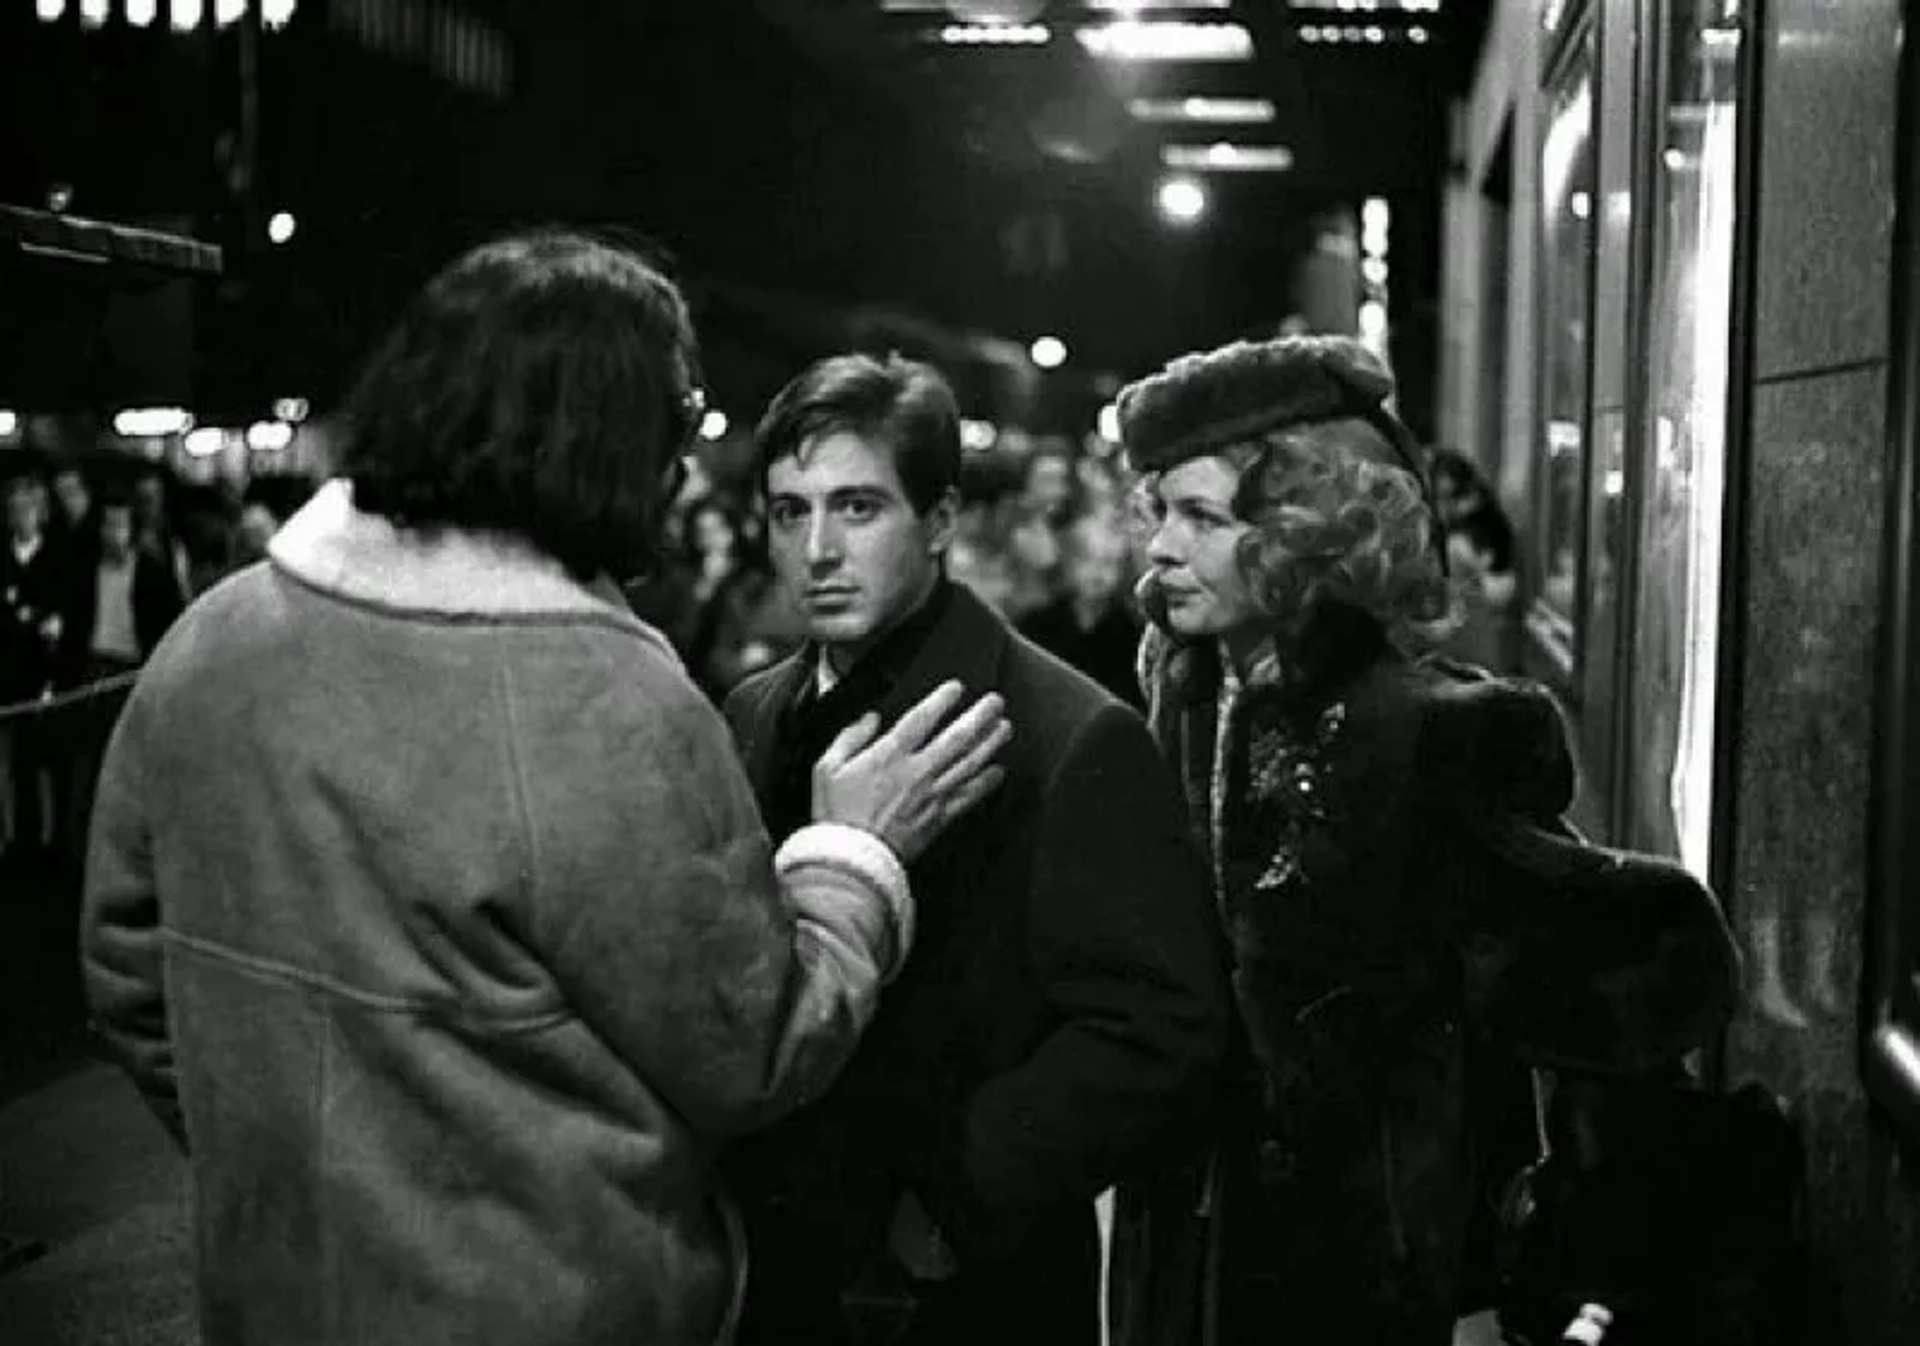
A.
pixel 87 1177
pixel 87 1172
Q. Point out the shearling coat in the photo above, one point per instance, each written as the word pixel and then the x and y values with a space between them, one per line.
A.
pixel 1393 878
pixel 427 903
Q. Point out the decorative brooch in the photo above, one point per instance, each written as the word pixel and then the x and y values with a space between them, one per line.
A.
pixel 1287 784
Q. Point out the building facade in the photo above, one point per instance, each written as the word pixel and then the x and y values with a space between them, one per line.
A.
pixel 1678 329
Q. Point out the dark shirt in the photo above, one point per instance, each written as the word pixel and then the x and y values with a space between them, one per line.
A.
pixel 810 724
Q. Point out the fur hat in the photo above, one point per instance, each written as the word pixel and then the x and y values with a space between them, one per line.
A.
pixel 1202 403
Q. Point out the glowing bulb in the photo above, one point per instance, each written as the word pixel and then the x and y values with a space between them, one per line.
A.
pixel 1048 352
pixel 281 227
pixel 714 424
pixel 1182 200
pixel 269 436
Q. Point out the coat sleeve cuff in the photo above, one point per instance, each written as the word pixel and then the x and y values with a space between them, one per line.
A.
pixel 863 857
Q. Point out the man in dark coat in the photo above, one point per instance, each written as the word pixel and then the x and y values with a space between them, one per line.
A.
pixel 147 598
pixel 1065 1014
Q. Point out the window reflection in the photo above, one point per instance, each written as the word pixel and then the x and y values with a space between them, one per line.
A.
pixel 1567 187
pixel 1680 546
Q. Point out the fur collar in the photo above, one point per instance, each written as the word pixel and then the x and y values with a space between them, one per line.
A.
pixel 448 573
pixel 1335 646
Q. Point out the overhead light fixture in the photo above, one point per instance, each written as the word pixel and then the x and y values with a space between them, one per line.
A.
pixel 1371 6
pixel 1128 41
pixel 1361 34
pixel 269 436
pixel 205 442
pixel 93 13
pixel 1219 111
pixel 9 424
pixel 1225 158
pixel 152 422
pixel 995 35
pixel 1183 200
pixel 1048 352
pixel 1149 6
pixel 142 13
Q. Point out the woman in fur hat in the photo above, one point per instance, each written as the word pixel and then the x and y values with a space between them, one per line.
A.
pixel 1385 838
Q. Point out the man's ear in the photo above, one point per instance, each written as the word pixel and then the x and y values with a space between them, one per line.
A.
pixel 942 522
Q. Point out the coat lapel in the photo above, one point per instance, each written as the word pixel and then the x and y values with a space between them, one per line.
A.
pixel 759 728
pixel 966 644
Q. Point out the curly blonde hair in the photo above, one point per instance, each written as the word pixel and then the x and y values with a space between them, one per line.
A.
pixel 1336 518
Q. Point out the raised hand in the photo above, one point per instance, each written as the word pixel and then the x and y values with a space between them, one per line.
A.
pixel 907 785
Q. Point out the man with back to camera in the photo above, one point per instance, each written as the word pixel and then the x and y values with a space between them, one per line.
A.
pixel 1066 1008
pixel 426 900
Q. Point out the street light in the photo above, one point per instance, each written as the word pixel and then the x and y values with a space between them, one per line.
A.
pixel 1049 352
pixel 1182 200
pixel 281 226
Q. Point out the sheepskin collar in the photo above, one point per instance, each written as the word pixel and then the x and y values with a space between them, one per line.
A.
pixel 449 573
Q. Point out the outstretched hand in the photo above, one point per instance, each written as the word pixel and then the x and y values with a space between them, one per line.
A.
pixel 908 785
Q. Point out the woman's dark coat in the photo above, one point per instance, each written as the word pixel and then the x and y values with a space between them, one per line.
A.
pixel 1394 879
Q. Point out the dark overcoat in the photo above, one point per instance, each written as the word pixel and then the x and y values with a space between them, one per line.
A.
pixel 1395 881
pixel 1062 1021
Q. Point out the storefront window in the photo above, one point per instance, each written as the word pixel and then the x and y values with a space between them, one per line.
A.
pixel 1567 201
pixel 1677 650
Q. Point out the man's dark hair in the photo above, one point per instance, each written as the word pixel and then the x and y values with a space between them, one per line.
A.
pixel 541 385
pixel 902 403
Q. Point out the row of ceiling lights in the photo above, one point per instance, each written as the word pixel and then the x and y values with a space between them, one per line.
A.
pixel 1025 11
pixel 1182 197
pixel 1126 41
pixel 183 15
pixel 1184 42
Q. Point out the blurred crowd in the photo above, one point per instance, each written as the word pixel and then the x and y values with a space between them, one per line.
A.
pixel 101 556
pixel 1050 536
